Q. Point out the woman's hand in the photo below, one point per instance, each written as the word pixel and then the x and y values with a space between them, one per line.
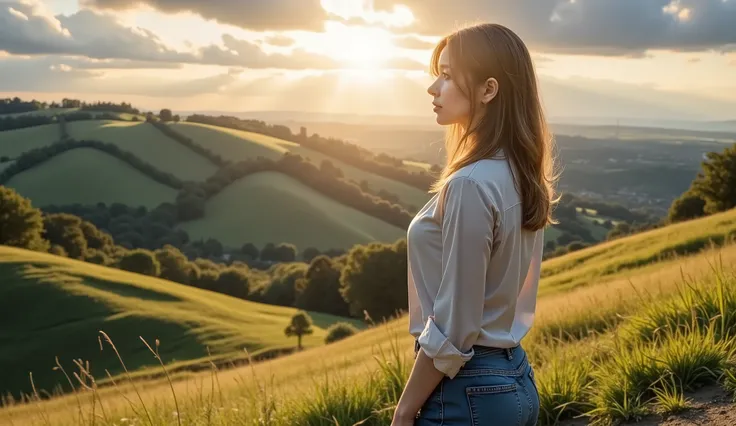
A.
pixel 402 420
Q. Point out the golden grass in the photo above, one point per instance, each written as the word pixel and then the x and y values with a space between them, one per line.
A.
pixel 597 307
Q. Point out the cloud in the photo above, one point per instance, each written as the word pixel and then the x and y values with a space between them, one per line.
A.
pixel 27 28
pixel 279 40
pixel 244 53
pixel 49 74
pixel 251 14
pixel 603 27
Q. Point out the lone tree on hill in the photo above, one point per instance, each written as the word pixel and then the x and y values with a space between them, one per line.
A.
pixel 301 325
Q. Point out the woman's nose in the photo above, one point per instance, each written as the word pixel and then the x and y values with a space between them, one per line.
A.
pixel 432 90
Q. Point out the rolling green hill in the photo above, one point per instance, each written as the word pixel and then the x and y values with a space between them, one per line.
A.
pixel 241 145
pixel 15 142
pixel 271 207
pixel 89 176
pixel 147 143
pixel 53 306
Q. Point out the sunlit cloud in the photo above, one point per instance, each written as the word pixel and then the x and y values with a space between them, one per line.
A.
pixel 398 16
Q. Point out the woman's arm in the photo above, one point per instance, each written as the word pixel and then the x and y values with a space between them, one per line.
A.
pixel 423 379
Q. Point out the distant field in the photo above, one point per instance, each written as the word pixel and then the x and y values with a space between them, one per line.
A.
pixel 241 145
pixel 417 165
pixel 638 133
pixel 52 306
pixel 270 207
pixel 15 142
pixel 89 176
pixel 148 144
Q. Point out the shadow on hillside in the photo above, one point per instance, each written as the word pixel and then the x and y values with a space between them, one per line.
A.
pixel 59 275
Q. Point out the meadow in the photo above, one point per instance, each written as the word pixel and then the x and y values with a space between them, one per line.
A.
pixel 89 176
pixel 633 343
pixel 241 145
pixel 148 143
pixel 269 206
pixel 54 306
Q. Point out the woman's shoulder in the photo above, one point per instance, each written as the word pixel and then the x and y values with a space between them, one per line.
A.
pixel 491 177
pixel 484 171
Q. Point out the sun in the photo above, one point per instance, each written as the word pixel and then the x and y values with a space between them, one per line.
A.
pixel 358 47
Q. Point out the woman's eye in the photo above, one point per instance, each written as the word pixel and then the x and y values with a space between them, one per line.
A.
pixel 446 75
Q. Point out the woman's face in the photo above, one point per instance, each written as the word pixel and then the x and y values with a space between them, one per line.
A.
pixel 450 104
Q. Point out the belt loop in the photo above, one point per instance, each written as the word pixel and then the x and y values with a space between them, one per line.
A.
pixel 509 355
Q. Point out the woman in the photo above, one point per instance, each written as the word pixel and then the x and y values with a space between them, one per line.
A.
pixel 475 248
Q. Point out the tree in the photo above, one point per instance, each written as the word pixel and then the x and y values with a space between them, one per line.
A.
pixel 285 252
pixel 21 225
pixel 234 282
pixel 687 206
pixel 319 290
pixel 65 230
pixel 374 279
pixel 716 182
pixel 165 115
pixel 339 331
pixel 250 250
pixel 301 325
pixel 309 254
pixel 140 261
pixel 175 266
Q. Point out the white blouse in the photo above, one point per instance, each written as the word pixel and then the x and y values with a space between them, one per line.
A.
pixel 473 270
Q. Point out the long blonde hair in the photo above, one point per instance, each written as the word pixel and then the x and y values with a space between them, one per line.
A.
pixel 513 122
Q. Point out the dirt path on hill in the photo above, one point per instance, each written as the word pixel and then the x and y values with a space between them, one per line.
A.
pixel 711 406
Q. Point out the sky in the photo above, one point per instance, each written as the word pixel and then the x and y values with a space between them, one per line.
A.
pixel 659 59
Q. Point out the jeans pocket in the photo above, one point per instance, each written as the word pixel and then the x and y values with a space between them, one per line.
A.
pixel 495 404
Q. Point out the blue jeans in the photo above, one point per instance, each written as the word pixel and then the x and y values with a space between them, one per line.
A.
pixel 495 388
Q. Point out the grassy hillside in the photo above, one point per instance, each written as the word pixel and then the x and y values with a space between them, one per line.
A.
pixel 15 142
pixel 240 145
pixel 616 257
pixel 270 207
pixel 593 348
pixel 52 306
pixel 147 143
pixel 89 176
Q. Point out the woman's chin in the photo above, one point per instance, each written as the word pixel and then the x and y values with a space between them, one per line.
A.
pixel 442 121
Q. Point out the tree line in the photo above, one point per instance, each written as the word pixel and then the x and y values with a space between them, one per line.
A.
pixel 191 200
pixel 383 164
pixel 25 121
pixel 16 105
pixel 327 179
pixel 36 156
pixel 367 280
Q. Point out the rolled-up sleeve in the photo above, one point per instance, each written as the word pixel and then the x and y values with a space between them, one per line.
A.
pixel 467 216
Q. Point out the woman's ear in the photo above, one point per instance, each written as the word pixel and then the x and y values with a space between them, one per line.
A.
pixel 490 90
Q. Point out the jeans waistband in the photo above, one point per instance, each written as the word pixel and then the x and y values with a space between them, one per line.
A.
pixel 481 350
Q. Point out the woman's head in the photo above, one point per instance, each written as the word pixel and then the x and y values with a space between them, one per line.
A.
pixel 486 91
